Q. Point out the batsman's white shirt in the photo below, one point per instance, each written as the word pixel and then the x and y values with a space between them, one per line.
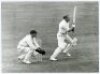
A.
pixel 61 35
pixel 28 42
pixel 63 27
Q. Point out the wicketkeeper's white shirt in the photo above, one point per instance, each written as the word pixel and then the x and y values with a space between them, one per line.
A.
pixel 63 26
pixel 28 41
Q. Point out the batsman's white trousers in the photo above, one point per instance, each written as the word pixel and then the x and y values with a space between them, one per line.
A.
pixel 61 41
pixel 61 45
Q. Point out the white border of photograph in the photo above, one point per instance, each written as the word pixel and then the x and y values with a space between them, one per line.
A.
pixel 38 1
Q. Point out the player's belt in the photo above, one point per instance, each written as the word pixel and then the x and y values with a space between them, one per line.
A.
pixel 62 34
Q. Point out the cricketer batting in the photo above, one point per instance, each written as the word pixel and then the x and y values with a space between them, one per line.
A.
pixel 64 40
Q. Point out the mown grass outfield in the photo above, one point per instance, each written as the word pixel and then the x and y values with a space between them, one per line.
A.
pixel 18 18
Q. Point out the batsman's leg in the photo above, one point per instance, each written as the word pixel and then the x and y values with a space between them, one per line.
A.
pixel 67 48
pixel 55 53
pixel 58 50
pixel 69 41
pixel 61 46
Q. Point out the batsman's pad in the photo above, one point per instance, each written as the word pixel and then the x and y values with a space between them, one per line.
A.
pixel 40 51
pixel 75 41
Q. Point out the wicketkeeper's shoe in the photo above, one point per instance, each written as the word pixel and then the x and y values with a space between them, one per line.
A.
pixel 26 61
pixel 53 59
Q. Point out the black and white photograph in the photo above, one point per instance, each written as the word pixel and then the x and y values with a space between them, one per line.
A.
pixel 50 36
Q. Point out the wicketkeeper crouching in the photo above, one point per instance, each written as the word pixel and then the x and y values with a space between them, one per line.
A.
pixel 30 48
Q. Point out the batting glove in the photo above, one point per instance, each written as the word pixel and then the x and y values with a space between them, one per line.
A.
pixel 73 25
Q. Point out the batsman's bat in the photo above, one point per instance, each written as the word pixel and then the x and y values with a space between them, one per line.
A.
pixel 74 16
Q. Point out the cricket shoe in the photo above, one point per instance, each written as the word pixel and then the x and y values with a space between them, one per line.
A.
pixel 53 59
pixel 67 54
pixel 26 61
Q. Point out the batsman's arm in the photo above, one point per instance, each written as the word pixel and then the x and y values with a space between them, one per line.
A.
pixel 70 29
pixel 73 26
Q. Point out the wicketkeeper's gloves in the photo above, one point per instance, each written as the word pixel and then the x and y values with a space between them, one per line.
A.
pixel 73 25
pixel 40 51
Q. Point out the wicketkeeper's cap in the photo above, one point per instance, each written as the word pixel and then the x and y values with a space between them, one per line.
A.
pixel 33 32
